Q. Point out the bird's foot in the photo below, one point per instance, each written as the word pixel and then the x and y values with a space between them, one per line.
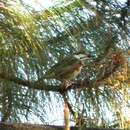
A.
pixel 67 83
pixel 65 86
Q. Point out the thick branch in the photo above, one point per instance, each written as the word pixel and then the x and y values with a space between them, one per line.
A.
pixel 14 79
pixel 34 85
pixel 41 85
pixel 42 127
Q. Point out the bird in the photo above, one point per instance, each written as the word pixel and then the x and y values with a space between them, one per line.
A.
pixel 68 68
pixel 65 71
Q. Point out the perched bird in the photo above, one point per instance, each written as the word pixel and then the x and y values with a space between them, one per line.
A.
pixel 68 68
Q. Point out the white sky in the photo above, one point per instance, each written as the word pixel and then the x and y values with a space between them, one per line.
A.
pixel 43 4
pixel 40 3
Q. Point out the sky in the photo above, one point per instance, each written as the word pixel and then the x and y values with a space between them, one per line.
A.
pixel 38 4
pixel 41 4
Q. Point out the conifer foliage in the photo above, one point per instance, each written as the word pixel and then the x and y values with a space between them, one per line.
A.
pixel 32 41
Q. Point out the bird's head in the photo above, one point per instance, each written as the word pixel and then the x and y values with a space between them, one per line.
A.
pixel 82 56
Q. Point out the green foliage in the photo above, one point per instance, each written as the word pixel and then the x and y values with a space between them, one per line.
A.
pixel 31 42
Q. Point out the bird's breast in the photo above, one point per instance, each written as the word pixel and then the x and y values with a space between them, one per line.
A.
pixel 74 71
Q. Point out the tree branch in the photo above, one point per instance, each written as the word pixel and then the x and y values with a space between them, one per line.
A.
pixel 33 85
pixel 41 85
pixel 5 126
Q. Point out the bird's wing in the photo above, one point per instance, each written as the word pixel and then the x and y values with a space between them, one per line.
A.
pixel 60 67
pixel 66 61
pixel 70 72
